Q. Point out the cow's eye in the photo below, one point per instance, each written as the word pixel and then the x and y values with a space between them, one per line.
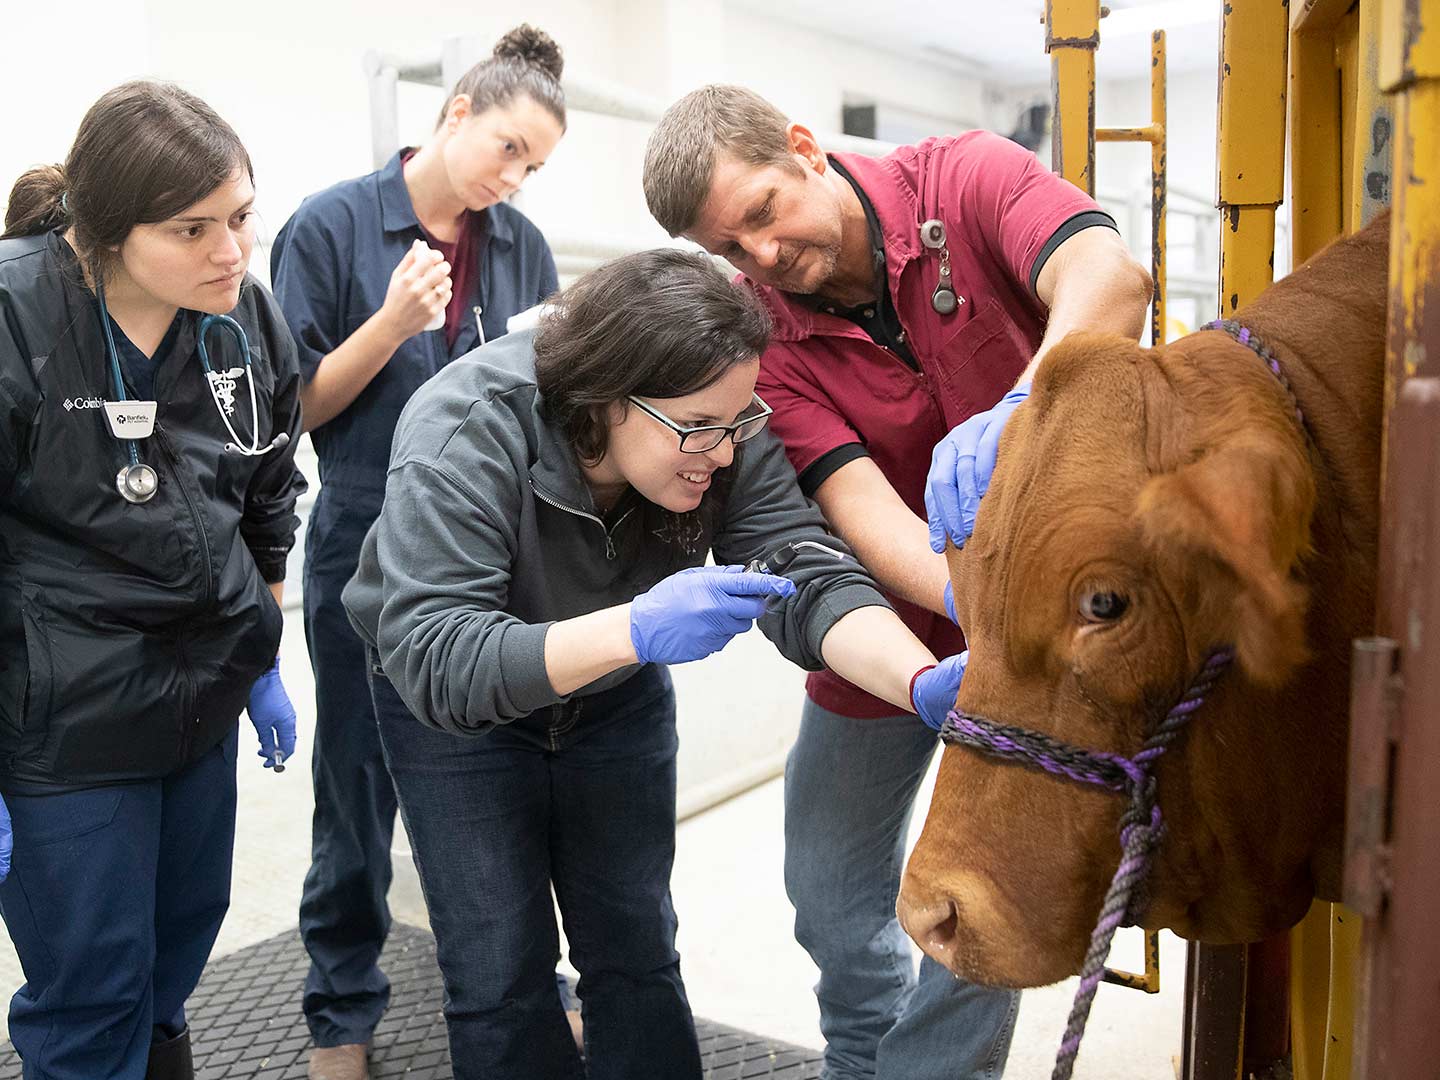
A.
pixel 1103 606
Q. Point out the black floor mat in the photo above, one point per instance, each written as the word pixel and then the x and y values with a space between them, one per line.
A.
pixel 247 1022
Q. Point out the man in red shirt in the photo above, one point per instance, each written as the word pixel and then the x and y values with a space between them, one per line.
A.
pixel 910 293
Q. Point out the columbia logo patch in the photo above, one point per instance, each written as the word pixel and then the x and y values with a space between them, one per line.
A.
pixel 82 403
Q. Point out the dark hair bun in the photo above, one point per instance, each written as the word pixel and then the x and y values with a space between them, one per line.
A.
pixel 533 47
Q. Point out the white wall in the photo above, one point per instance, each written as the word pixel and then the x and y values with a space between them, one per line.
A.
pixel 287 75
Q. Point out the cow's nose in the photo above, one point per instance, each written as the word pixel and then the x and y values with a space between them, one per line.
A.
pixel 934 926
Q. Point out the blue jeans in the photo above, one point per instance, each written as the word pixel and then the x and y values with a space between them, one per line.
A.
pixel 849 789
pixel 579 797
pixel 113 901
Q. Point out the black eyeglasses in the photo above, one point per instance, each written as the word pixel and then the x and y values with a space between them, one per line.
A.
pixel 697 440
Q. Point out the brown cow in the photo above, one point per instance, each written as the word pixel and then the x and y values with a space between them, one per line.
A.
pixel 1149 505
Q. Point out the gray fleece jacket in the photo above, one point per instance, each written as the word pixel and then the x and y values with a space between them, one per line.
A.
pixel 489 535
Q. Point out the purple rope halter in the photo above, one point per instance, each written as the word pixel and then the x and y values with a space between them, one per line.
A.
pixel 1141 828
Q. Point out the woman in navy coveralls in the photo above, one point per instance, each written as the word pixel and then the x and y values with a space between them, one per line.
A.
pixel 362 271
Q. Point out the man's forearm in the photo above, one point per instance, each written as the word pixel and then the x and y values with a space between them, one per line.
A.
pixel 1093 285
pixel 886 536
pixel 873 649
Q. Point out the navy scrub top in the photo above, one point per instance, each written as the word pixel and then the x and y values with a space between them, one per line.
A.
pixel 330 267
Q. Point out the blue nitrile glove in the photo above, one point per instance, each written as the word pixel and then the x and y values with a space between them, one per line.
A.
pixel 960 469
pixel 933 690
pixel 7 840
pixel 273 716
pixel 950 602
pixel 697 611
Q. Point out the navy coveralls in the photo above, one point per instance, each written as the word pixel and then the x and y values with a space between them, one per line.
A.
pixel 331 265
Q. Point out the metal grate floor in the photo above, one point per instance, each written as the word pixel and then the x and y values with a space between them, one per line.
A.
pixel 246 1019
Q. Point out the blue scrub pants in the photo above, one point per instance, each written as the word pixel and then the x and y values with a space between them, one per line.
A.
pixel 344 916
pixel 579 797
pixel 113 901
pixel 849 790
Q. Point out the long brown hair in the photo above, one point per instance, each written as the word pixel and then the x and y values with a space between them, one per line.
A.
pixel 144 152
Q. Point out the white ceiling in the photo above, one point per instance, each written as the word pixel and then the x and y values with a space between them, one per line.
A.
pixel 1003 40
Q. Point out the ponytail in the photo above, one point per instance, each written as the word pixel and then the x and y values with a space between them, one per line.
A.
pixel 37 202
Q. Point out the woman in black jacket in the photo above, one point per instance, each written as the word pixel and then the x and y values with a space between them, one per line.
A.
pixel 148 407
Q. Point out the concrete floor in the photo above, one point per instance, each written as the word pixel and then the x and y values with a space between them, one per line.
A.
pixel 740 963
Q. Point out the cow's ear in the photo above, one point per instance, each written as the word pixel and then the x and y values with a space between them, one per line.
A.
pixel 1244 510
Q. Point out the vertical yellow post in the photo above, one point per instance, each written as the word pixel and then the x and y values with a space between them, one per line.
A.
pixel 1157 184
pixel 1072 34
pixel 1317 155
pixel 1254 41
pixel 1410 68
pixel 1374 125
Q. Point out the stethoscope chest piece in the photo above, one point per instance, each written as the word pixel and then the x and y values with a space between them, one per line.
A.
pixel 137 483
pixel 945 300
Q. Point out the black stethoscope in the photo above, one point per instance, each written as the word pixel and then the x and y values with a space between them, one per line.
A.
pixel 945 300
pixel 131 420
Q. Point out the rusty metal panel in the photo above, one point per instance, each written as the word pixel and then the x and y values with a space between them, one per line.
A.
pixel 1400 989
pixel 1072 34
pixel 1374 701
pixel 1403 992
pixel 1214 1018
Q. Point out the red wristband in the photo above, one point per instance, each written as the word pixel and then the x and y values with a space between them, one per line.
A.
pixel 917 674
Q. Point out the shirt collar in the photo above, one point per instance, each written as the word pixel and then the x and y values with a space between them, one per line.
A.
pixel 397 212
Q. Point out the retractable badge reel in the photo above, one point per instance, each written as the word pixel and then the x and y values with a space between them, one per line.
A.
pixel 945 300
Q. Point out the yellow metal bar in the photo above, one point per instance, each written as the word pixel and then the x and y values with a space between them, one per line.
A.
pixel 1309 992
pixel 1254 40
pixel 1159 196
pixel 1072 34
pixel 1315 140
pixel 1414 346
pixel 1148 982
pixel 1374 124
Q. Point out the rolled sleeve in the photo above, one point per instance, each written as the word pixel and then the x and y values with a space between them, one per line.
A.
pixel 766 510
pixel 1012 201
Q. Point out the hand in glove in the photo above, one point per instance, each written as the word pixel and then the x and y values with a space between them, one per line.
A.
pixel 960 470
pixel 697 611
pixel 274 718
pixel 933 690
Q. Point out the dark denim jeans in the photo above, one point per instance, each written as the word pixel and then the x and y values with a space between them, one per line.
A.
pixel 579 797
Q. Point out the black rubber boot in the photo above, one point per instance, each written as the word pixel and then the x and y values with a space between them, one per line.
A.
pixel 171 1060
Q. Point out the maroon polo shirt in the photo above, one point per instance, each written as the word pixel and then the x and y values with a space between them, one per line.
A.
pixel 838 395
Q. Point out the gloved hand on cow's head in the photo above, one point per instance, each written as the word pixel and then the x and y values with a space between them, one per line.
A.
pixel 274 718
pixel 960 470
pixel 933 690
pixel 696 612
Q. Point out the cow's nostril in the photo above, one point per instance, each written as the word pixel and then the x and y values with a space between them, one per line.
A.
pixel 940 939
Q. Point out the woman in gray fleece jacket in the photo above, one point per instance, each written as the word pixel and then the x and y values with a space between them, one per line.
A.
pixel 550 503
